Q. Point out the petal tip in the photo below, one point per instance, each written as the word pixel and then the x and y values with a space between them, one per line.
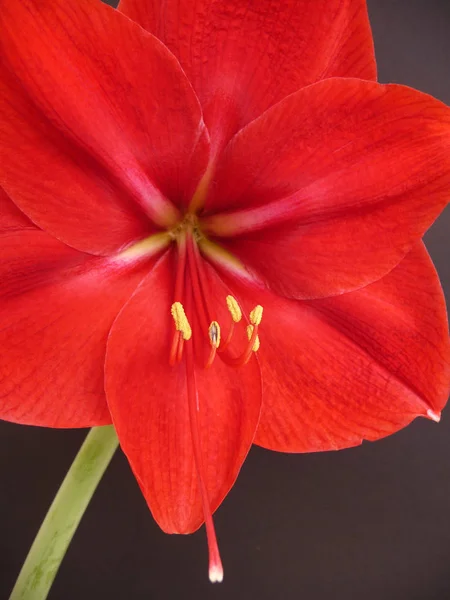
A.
pixel 434 416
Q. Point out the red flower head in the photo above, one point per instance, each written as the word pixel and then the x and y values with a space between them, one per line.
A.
pixel 183 217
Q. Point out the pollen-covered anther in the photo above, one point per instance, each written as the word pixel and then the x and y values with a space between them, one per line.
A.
pixel 256 315
pixel 181 321
pixel 256 344
pixel 236 316
pixel 234 308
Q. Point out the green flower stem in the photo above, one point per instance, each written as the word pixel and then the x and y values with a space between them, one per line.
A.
pixel 56 532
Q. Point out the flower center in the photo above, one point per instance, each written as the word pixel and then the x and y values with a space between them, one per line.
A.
pixel 190 268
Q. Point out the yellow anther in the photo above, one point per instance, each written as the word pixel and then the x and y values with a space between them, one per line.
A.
pixel 256 315
pixel 249 335
pixel 214 334
pixel 233 307
pixel 181 321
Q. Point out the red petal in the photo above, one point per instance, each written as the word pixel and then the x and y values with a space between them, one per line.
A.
pixel 334 185
pixel 149 406
pixel 99 124
pixel 243 58
pixel 56 309
pixel 10 216
pixel 357 366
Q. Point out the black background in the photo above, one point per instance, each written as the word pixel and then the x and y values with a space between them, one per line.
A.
pixel 370 522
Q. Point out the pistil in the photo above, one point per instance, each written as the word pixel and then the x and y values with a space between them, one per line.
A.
pixel 215 563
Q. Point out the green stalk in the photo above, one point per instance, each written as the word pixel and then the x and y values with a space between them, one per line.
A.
pixel 56 532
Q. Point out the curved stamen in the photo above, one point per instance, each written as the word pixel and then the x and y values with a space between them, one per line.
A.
pixel 253 340
pixel 236 316
pixel 252 346
pixel 250 329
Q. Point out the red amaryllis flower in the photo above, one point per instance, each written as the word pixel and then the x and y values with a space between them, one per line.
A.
pixel 159 195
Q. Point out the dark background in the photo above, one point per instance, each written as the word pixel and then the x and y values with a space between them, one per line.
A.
pixel 371 522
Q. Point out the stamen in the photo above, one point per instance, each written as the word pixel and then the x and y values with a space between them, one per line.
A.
pixel 250 329
pixel 236 316
pixel 174 349
pixel 214 336
pixel 181 321
pixel 256 315
pixel 180 348
pixel 234 308
pixel 253 340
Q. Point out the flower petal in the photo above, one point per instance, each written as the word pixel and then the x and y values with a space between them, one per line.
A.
pixel 10 216
pixel 243 58
pixel 355 367
pixel 149 406
pixel 333 186
pixel 56 308
pixel 99 128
